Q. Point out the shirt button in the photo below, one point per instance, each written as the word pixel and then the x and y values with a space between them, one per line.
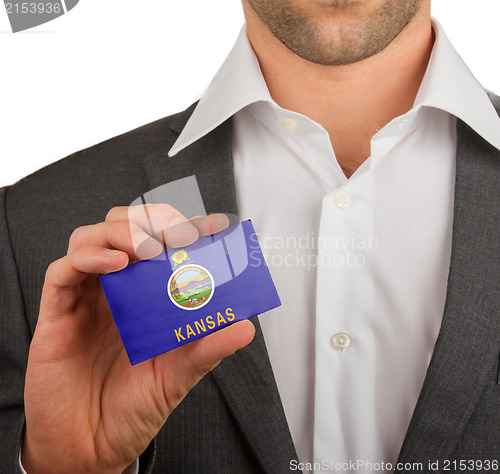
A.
pixel 289 125
pixel 341 200
pixel 340 341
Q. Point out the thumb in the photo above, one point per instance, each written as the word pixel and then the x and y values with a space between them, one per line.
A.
pixel 182 368
pixel 215 347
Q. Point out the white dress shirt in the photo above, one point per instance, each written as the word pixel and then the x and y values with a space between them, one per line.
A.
pixel 360 264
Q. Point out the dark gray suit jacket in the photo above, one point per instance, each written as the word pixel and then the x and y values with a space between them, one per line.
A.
pixel 233 420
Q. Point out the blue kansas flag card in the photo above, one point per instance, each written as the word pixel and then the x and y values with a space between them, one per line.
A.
pixel 188 293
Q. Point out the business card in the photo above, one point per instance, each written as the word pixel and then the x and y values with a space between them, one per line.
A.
pixel 185 294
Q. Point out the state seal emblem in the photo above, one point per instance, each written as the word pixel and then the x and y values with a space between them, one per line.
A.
pixel 190 287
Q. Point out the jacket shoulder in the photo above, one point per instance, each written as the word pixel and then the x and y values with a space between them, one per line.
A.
pixel 117 152
pixel 107 174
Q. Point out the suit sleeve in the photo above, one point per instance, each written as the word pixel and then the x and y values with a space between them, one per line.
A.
pixel 15 338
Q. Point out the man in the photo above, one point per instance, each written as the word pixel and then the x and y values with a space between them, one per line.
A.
pixel 346 120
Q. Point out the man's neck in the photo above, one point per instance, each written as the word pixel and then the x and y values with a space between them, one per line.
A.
pixel 351 102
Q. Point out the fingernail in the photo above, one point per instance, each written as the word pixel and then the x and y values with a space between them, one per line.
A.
pixel 182 226
pixel 111 253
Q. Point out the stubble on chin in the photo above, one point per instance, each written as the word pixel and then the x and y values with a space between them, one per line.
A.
pixel 346 33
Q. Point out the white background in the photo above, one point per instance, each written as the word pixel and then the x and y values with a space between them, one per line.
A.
pixel 109 66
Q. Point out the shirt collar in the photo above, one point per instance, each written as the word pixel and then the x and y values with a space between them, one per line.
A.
pixel 238 83
pixel 447 85
pixel 450 86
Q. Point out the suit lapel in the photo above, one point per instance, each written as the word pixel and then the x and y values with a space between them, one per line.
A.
pixel 466 348
pixel 247 382
pixel 246 379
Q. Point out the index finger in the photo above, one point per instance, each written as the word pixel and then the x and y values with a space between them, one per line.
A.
pixel 167 224
pixel 161 221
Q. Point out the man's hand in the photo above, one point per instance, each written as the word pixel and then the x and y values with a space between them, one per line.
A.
pixel 87 409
